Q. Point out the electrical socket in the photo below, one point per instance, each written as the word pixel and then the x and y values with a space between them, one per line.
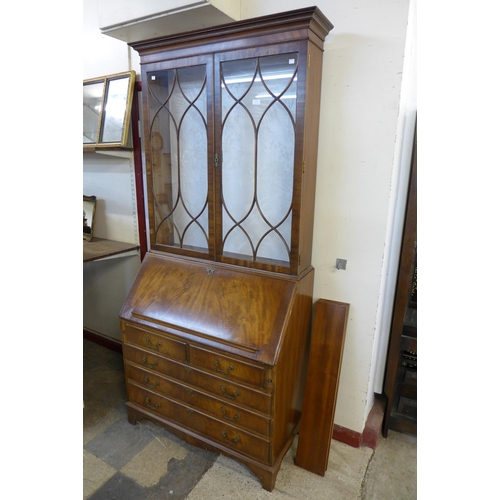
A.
pixel 341 264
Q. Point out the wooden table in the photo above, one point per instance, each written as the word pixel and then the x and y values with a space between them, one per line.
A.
pixel 100 248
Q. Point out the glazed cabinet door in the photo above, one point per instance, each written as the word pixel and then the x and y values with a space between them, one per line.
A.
pixel 225 155
pixel 259 112
pixel 179 129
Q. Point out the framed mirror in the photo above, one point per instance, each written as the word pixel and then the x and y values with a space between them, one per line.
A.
pixel 107 104
pixel 89 203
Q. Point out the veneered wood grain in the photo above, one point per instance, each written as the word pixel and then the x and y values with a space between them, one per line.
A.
pixel 323 373
pixel 226 304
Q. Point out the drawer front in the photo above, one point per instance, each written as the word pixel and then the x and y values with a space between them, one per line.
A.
pixel 226 391
pixel 186 394
pixel 227 435
pixel 155 343
pixel 227 367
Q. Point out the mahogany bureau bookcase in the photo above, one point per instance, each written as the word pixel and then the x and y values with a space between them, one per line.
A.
pixel 216 327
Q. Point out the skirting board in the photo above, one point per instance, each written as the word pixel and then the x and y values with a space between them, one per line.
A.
pixel 372 431
pixel 112 344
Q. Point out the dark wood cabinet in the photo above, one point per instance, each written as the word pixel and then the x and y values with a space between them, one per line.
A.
pixel 400 385
pixel 231 118
pixel 216 327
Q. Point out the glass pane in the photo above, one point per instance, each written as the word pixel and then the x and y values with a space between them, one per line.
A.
pixel 178 135
pixel 238 174
pixel 92 108
pixel 258 144
pixel 115 109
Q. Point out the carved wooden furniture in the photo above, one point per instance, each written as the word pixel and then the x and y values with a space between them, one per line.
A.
pixel 400 385
pixel 216 326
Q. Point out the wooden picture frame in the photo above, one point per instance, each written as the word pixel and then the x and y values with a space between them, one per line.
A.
pixel 89 204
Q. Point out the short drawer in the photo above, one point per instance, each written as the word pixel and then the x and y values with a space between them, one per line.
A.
pixel 155 343
pixel 227 367
pixel 227 391
pixel 227 435
pixel 222 410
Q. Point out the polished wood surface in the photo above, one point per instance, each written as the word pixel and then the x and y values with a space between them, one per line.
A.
pixel 323 374
pixel 215 344
pixel 249 398
pixel 99 248
pixel 302 32
pixel 307 22
pixel 245 310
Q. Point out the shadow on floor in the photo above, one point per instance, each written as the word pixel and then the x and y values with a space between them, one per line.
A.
pixel 145 462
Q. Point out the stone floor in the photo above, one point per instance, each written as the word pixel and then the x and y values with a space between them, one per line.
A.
pixel 145 462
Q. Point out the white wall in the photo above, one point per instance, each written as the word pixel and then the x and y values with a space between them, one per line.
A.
pixel 362 77
pixel 111 179
pixel 362 74
pixel 106 283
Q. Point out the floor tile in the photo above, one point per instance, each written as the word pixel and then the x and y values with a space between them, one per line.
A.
pixel 151 464
pixel 105 385
pixel 120 487
pixel 97 356
pixel 145 462
pixel 120 442
pixel 95 473
pixel 342 479
pixel 392 474
pixel 231 479
pixel 97 418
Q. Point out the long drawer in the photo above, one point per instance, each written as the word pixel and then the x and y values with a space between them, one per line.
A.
pixel 227 367
pixel 215 362
pixel 195 398
pixel 160 344
pixel 221 388
pixel 225 434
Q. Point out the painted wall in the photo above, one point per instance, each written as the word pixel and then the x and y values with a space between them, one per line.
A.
pixel 360 128
pixel 111 179
pixel 360 101
pixel 106 283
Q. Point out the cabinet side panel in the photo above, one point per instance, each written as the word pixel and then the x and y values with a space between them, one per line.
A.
pixel 290 370
pixel 310 153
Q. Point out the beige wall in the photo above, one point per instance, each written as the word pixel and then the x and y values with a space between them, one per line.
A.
pixel 358 163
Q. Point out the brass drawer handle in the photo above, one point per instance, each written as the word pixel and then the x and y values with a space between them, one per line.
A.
pixel 145 361
pixel 153 386
pixel 188 390
pixel 236 417
pixel 190 411
pixel 151 346
pixel 216 363
pixel 236 394
pixel 155 407
pixel 236 440
pixel 188 369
